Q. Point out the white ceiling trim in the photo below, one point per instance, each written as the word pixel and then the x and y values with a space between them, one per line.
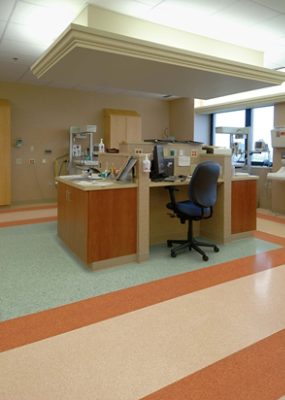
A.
pixel 77 36
pixel 261 101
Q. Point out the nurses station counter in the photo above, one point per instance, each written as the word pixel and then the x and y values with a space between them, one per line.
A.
pixel 111 223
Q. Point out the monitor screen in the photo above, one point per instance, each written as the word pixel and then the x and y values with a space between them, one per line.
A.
pixel 259 145
pixel 157 164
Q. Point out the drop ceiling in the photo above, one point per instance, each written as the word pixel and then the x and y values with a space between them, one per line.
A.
pixel 28 27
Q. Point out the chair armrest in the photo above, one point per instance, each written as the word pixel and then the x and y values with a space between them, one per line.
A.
pixel 172 204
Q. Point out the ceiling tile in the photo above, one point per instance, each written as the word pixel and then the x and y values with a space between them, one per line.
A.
pixel 6 7
pixel 74 3
pixel 205 7
pixel 278 5
pixel 241 24
pixel 42 24
pixel 9 56
pixel 246 13
pixel 150 3
pixel 2 27
pixel 26 34
pixel 128 7
pixel 10 71
pixel 25 12
pixel 18 48
pixel 275 25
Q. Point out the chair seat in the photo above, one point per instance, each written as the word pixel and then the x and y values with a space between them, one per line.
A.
pixel 190 209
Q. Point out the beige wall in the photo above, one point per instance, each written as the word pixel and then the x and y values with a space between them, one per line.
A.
pixel 279 114
pixel 279 120
pixel 278 188
pixel 202 128
pixel 41 117
pixel 182 119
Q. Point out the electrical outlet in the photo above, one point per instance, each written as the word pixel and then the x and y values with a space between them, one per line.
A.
pixel 19 161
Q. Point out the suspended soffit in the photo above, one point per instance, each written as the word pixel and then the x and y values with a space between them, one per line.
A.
pixel 88 56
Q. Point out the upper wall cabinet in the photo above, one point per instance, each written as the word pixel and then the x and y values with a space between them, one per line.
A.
pixel 121 126
pixel 5 159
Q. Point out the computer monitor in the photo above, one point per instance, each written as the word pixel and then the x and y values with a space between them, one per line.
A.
pixel 161 167
pixel 157 164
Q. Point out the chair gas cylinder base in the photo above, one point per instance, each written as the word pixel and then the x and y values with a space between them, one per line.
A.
pixel 203 196
pixel 190 244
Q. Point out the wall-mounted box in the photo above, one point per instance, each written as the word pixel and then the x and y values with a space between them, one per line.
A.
pixel 278 137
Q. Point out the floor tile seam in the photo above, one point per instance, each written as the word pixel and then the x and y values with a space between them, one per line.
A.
pixel 221 379
pixel 55 321
pixel 29 221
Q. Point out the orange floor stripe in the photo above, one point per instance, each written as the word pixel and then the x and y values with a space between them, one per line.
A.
pixel 257 372
pixel 268 237
pixel 27 221
pixel 34 327
pixel 31 208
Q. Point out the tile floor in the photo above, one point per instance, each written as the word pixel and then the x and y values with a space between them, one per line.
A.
pixel 170 330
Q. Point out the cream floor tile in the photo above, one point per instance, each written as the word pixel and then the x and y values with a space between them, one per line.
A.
pixel 271 227
pixel 137 353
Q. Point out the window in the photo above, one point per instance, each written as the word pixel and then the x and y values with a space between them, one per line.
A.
pixel 231 118
pixel 262 123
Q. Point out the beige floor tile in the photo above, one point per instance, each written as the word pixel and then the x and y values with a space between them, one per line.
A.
pixel 271 227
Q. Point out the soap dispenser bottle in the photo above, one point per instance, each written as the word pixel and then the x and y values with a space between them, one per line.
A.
pixel 101 146
pixel 146 164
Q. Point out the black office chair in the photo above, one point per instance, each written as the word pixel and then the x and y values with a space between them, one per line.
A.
pixel 203 196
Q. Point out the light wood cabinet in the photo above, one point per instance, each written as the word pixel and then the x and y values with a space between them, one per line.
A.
pixel 98 224
pixel 121 126
pixel 5 148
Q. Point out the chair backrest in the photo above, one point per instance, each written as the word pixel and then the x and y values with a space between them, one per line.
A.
pixel 203 184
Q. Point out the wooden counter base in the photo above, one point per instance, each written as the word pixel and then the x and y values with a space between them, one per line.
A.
pixel 98 224
pixel 243 206
pixel 113 262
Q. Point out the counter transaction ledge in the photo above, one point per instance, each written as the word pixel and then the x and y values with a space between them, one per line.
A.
pixel 115 224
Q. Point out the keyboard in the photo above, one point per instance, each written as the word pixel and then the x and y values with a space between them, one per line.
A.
pixel 170 179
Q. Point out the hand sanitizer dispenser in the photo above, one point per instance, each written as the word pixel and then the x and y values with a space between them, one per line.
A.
pixel 101 146
pixel 146 164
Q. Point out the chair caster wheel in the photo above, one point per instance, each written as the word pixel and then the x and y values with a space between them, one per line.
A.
pixel 173 254
pixel 216 249
pixel 205 258
pixel 169 244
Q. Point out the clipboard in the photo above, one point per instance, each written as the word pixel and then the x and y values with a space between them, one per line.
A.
pixel 123 174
